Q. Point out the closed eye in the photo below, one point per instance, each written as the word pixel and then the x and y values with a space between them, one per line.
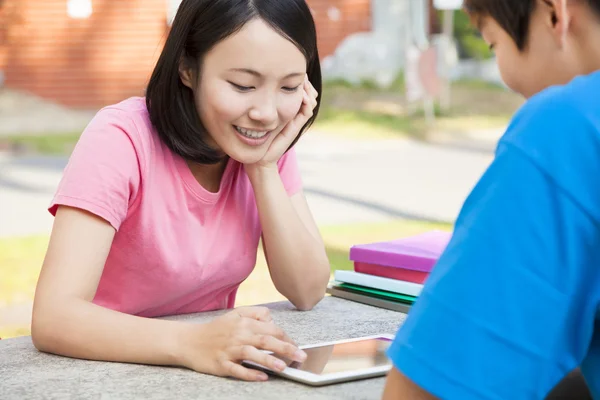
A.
pixel 290 89
pixel 241 88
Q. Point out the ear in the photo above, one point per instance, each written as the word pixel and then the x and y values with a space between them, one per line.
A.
pixel 186 74
pixel 559 19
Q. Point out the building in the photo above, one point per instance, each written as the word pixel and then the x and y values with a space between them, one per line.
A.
pixel 89 53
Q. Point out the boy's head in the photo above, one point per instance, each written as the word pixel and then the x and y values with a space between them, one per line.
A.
pixel 539 43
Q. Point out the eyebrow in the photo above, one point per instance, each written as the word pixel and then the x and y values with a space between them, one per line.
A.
pixel 259 75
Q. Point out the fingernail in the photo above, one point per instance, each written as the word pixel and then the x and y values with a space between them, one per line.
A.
pixel 263 377
pixel 280 365
pixel 300 356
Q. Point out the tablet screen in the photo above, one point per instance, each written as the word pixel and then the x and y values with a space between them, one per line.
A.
pixel 344 357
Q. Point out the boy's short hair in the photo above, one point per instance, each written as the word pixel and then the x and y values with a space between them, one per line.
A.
pixel 512 15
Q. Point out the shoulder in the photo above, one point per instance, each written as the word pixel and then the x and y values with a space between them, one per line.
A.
pixel 129 116
pixel 128 121
pixel 567 115
pixel 558 131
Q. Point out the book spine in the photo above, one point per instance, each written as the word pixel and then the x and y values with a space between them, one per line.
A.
pixel 391 285
pixel 391 272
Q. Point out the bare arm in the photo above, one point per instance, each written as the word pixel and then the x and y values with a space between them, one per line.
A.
pixel 399 387
pixel 294 249
pixel 66 322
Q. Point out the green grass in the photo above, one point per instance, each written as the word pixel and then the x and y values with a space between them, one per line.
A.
pixel 21 258
pixel 368 85
pixel 51 143
pixel 367 125
pixel 478 84
pixel 20 263
pixel 363 111
pixel 7 332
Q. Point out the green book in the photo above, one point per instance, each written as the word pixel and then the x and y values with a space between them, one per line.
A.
pixel 383 294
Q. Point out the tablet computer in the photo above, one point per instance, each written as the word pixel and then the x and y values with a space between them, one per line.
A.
pixel 338 361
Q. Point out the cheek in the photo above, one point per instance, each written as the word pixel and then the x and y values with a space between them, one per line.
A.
pixel 510 71
pixel 289 105
pixel 221 105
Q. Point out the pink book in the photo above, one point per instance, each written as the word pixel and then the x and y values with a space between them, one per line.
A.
pixel 408 259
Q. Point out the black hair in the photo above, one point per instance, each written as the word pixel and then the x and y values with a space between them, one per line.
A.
pixel 198 26
pixel 512 15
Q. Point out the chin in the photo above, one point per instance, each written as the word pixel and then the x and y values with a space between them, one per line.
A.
pixel 248 156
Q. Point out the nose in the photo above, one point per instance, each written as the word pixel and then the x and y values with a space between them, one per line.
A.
pixel 264 110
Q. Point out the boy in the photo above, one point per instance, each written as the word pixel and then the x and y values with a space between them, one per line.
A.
pixel 513 304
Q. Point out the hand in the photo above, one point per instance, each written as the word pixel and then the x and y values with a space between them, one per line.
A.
pixel 285 138
pixel 218 347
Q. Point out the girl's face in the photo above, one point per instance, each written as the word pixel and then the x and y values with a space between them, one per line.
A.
pixel 250 87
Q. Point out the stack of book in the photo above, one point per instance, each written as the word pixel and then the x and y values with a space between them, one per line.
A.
pixel 390 274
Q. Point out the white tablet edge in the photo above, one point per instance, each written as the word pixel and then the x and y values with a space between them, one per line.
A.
pixel 358 339
pixel 311 378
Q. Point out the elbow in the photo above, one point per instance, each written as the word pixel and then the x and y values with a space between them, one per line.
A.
pixel 315 292
pixel 308 304
pixel 40 331
pixel 46 329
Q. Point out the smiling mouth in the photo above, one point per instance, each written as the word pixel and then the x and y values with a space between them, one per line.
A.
pixel 250 133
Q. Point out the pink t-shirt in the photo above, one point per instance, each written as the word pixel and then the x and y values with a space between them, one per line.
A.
pixel 178 248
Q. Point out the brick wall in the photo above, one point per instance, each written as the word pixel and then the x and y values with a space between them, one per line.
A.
pixel 88 63
pixel 336 19
pixel 84 63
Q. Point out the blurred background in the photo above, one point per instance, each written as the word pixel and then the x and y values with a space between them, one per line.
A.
pixel 413 105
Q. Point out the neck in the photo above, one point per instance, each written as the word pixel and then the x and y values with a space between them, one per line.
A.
pixel 209 175
pixel 588 37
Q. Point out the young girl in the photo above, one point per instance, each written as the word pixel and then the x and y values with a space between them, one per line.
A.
pixel 165 198
pixel 513 305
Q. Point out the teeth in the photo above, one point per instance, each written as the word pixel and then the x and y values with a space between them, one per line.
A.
pixel 251 134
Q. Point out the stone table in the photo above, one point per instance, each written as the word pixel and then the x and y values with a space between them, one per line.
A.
pixel 26 373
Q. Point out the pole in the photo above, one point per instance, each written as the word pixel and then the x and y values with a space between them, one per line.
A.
pixel 448 40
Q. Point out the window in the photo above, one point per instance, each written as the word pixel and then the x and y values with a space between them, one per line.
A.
pixel 79 9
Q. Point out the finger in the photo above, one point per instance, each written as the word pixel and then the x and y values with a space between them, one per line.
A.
pixel 262 328
pixel 310 99
pixel 307 112
pixel 257 313
pixel 286 346
pixel 310 89
pixel 288 339
pixel 306 99
pixel 247 374
pixel 251 353
pixel 314 103
pixel 307 107
pixel 279 347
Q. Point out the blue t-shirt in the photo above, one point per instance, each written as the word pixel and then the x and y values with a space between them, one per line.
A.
pixel 512 305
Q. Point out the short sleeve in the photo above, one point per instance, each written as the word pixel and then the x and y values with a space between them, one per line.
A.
pixel 290 172
pixel 509 309
pixel 102 175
